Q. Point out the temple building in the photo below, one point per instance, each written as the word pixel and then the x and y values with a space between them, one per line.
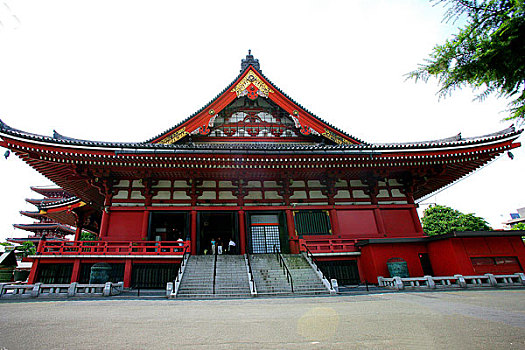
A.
pixel 255 166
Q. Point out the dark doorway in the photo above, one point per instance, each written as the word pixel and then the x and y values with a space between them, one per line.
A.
pixel 346 272
pixel 425 264
pixel 218 226
pixel 168 226
pixel 54 273
pixel 116 275
pixel 153 275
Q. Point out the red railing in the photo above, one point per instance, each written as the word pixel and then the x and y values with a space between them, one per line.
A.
pixel 325 245
pixel 112 247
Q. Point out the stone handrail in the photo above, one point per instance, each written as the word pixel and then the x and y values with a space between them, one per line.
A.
pixel 456 281
pixel 172 288
pixel 66 290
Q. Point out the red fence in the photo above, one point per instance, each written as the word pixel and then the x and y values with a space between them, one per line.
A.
pixel 112 248
pixel 325 245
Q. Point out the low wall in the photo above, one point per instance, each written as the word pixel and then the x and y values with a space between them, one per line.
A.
pixel 56 290
pixel 456 281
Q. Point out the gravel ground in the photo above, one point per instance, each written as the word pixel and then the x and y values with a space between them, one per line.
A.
pixel 482 319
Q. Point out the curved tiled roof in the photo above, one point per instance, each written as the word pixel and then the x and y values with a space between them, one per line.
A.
pixel 248 66
pixel 457 140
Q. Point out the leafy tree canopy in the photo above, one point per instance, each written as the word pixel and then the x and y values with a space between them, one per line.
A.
pixel 487 54
pixel 88 236
pixel 520 226
pixel 27 248
pixel 440 220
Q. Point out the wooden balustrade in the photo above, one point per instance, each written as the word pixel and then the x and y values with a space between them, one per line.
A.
pixel 112 247
pixel 327 245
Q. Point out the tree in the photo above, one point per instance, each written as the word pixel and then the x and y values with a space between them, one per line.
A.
pixel 488 53
pixel 520 226
pixel 27 248
pixel 440 220
pixel 88 236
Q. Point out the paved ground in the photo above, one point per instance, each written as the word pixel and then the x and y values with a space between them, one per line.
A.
pixel 490 319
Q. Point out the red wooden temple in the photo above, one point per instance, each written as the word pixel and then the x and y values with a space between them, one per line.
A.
pixel 255 166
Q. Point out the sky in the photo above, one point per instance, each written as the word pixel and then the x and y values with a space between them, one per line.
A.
pixel 128 70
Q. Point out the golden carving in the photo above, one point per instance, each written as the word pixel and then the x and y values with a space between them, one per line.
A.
pixel 336 138
pixel 251 78
pixel 211 111
pixel 176 136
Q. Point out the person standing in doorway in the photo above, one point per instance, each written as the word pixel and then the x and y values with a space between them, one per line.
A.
pixel 231 246
pixel 219 246
pixel 213 246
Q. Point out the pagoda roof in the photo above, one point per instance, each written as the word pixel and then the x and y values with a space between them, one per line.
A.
pixel 41 201
pixel 34 239
pixel 50 191
pixel 32 214
pixel 65 229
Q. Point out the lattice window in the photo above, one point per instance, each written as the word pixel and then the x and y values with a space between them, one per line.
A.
pixel 312 222
pixel 253 123
pixel 265 233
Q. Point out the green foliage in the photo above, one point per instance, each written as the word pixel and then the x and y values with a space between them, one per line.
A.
pixel 88 236
pixel 440 220
pixel 488 53
pixel 520 226
pixel 27 248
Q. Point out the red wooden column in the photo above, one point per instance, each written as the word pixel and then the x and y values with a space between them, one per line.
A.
pixel 379 221
pixel 127 273
pixel 76 271
pixel 78 233
pixel 335 223
pixel 415 218
pixel 145 224
pixel 294 243
pixel 193 232
pixel 242 232
pixel 34 269
pixel 104 222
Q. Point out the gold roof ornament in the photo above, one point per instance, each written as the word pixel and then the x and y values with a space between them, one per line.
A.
pixel 241 89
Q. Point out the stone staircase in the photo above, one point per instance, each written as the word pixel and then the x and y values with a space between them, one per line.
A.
pixel 305 279
pixel 197 281
pixel 231 279
pixel 268 275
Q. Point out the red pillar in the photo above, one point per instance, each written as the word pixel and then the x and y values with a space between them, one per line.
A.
pixel 334 222
pixel 104 224
pixel 193 232
pixel 294 242
pixel 77 233
pixel 76 271
pixel 415 218
pixel 34 269
pixel 127 273
pixel 145 224
pixel 242 232
pixel 379 221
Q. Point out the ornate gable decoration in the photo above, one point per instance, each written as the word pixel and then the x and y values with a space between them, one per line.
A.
pixel 251 123
pixel 252 86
